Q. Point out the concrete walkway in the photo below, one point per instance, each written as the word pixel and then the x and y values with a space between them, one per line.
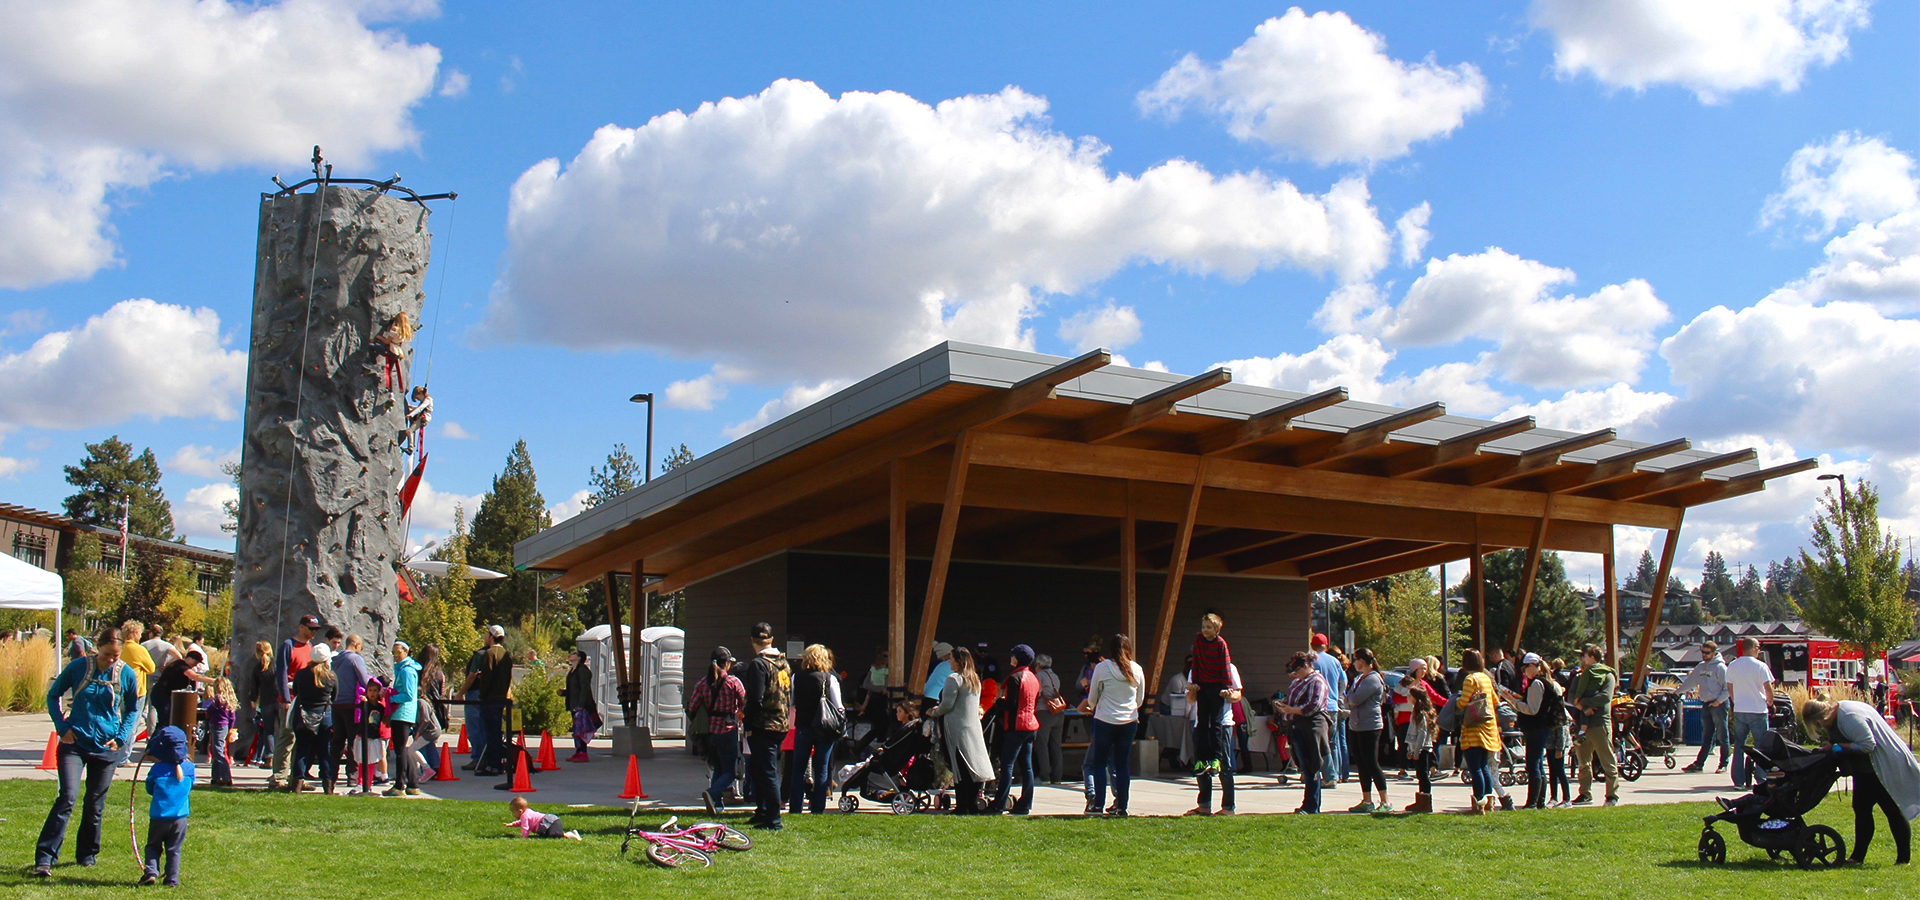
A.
pixel 673 780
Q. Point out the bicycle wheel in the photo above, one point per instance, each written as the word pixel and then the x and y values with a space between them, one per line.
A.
pixel 668 856
pixel 726 836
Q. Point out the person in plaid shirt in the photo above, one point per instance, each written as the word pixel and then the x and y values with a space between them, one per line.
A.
pixel 720 695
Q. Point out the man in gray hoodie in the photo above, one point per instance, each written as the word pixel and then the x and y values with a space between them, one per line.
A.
pixel 1710 679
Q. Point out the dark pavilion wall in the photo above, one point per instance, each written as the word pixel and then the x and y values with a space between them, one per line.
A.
pixel 841 601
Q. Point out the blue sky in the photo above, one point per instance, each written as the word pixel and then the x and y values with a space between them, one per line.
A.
pixel 1635 170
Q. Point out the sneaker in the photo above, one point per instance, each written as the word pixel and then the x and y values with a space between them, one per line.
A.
pixel 1506 804
pixel 1582 800
pixel 1116 813
pixel 394 792
pixel 413 792
pixel 1225 811
pixel 1093 809
pixel 1693 769
pixel 572 835
pixel 149 878
pixel 1361 807
pixel 1613 801
pixel 1198 811
pixel 42 871
pixel 1720 769
pixel 706 797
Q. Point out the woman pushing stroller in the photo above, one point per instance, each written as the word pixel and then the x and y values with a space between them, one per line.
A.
pixel 1885 773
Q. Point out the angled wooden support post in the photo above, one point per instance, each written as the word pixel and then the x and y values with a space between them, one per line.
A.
pixel 1610 606
pixel 897 574
pixel 613 623
pixel 1476 591
pixel 1519 627
pixel 1176 570
pixel 637 600
pixel 1653 607
pixel 1129 572
pixel 942 555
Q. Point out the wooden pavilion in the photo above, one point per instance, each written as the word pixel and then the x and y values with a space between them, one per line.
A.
pixel 967 455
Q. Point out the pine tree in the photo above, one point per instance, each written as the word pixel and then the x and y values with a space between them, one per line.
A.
pixel 1858 591
pixel 680 456
pixel 1716 586
pixel 110 478
pixel 1749 598
pixel 1644 574
pixel 621 475
pixel 512 511
pixel 90 589
pixel 1556 618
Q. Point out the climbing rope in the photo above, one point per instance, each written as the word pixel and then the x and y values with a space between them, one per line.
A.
pixel 440 295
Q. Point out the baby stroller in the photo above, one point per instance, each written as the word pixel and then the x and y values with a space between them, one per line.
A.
pixel 1794 781
pixel 898 773
pixel 1628 757
pixel 1510 766
pixel 1658 729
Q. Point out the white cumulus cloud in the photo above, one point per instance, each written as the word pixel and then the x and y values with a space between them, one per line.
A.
pixel 1106 326
pixel 433 510
pixel 1850 178
pixel 1713 48
pixel 1359 364
pixel 139 359
pixel 98 96
pixel 452 431
pixel 201 461
pixel 201 512
pixel 570 507
pixel 1324 88
pixel 1412 230
pixel 801 237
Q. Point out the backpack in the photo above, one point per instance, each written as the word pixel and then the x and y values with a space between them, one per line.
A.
pixel 777 700
pixel 111 678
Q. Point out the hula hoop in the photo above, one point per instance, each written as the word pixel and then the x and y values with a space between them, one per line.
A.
pixel 133 800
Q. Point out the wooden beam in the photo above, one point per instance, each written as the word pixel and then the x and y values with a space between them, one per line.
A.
pixel 637 600
pixel 1224 541
pixel 1539 459
pixel 1477 595
pixel 1623 465
pixel 864 512
pixel 1170 594
pixel 1406 562
pixel 1366 437
pixel 942 555
pixel 1687 474
pixel 1358 553
pixel 1519 627
pixel 1042 454
pixel 1653 607
pixel 1129 572
pixel 1266 424
pixel 612 582
pixel 1298 548
pixel 993 407
pixel 1453 450
pixel 1117 422
pixel 1738 485
pixel 897 574
pixel 1610 604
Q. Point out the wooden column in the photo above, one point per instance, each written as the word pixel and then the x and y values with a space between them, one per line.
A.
pixel 1176 570
pixel 1610 605
pixel 613 623
pixel 1653 606
pixel 1476 592
pixel 942 555
pixel 637 600
pixel 897 574
pixel 1129 572
pixel 1532 570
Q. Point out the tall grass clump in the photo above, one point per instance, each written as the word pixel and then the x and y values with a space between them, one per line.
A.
pixel 26 668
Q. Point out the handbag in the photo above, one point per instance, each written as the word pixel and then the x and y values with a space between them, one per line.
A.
pixel 833 718
pixel 1481 709
pixel 1449 718
pixel 1056 705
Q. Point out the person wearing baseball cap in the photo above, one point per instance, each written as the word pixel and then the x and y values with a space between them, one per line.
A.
pixel 1542 712
pixel 720 695
pixel 942 667
pixel 493 679
pixel 295 653
pixel 1336 676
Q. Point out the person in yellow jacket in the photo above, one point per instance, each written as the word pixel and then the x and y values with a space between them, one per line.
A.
pixel 135 656
pixel 1479 728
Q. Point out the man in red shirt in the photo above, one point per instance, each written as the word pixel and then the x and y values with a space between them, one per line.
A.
pixel 1017 728
pixel 295 653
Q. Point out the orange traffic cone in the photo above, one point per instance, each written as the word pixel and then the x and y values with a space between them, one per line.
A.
pixel 633 790
pixel 464 746
pixel 521 740
pixel 446 766
pixel 546 760
pixel 50 760
pixel 522 783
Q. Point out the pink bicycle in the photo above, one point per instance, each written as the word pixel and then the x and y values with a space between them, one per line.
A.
pixel 672 848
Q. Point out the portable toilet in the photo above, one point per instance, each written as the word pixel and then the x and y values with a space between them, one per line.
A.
pixel 597 644
pixel 662 676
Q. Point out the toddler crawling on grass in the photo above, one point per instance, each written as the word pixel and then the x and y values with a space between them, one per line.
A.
pixel 534 823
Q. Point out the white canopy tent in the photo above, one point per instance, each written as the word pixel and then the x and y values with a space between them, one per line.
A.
pixel 27 586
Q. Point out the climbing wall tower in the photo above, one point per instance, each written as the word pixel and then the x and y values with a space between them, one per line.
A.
pixel 321 530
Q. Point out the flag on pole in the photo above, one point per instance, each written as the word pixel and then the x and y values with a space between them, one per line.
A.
pixel 411 486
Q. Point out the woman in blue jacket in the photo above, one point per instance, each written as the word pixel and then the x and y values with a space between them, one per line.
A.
pixel 406 711
pixel 95 727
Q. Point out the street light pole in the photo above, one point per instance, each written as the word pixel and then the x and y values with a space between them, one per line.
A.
pixel 1846 520
pixel 647 466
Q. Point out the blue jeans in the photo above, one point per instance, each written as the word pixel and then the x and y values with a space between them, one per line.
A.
pixel 1475 760
pixel 723 753
pixel 1338 763
pixel 165 837
pixel 1537 741
pixel 1713 730
pixel 471 716
pixel 493 751
pixel 1016 761
pixel 763 770
pixel 97 768
pixel 812 755
pixel 1304 743
pixel 1745 725
pixel 1111 753
pixel 217 755
pixel 1227 761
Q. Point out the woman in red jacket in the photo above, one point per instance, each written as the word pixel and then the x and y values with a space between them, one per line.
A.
pixel 1017 728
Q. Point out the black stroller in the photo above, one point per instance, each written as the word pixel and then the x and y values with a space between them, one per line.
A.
pixel 1794 781
pixel 898 773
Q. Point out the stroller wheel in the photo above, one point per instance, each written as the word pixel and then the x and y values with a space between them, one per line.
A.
pixel 904 804
pixel 1820 847
pixel 849 803
pixel 1506 779
pixel 1713 847
pixel 1670 761
pixel 1633 763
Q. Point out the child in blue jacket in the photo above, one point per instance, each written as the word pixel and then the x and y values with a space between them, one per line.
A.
pixel 169 783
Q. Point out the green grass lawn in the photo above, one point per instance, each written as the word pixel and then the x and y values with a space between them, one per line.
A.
pixel 259 845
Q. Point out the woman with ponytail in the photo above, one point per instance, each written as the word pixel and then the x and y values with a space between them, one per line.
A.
pixel 1114 700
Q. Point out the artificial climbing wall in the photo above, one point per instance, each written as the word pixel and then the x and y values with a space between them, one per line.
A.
pixel 321 466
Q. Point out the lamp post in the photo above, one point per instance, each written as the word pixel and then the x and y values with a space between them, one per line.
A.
pixel 647 466
pixel 1846 523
